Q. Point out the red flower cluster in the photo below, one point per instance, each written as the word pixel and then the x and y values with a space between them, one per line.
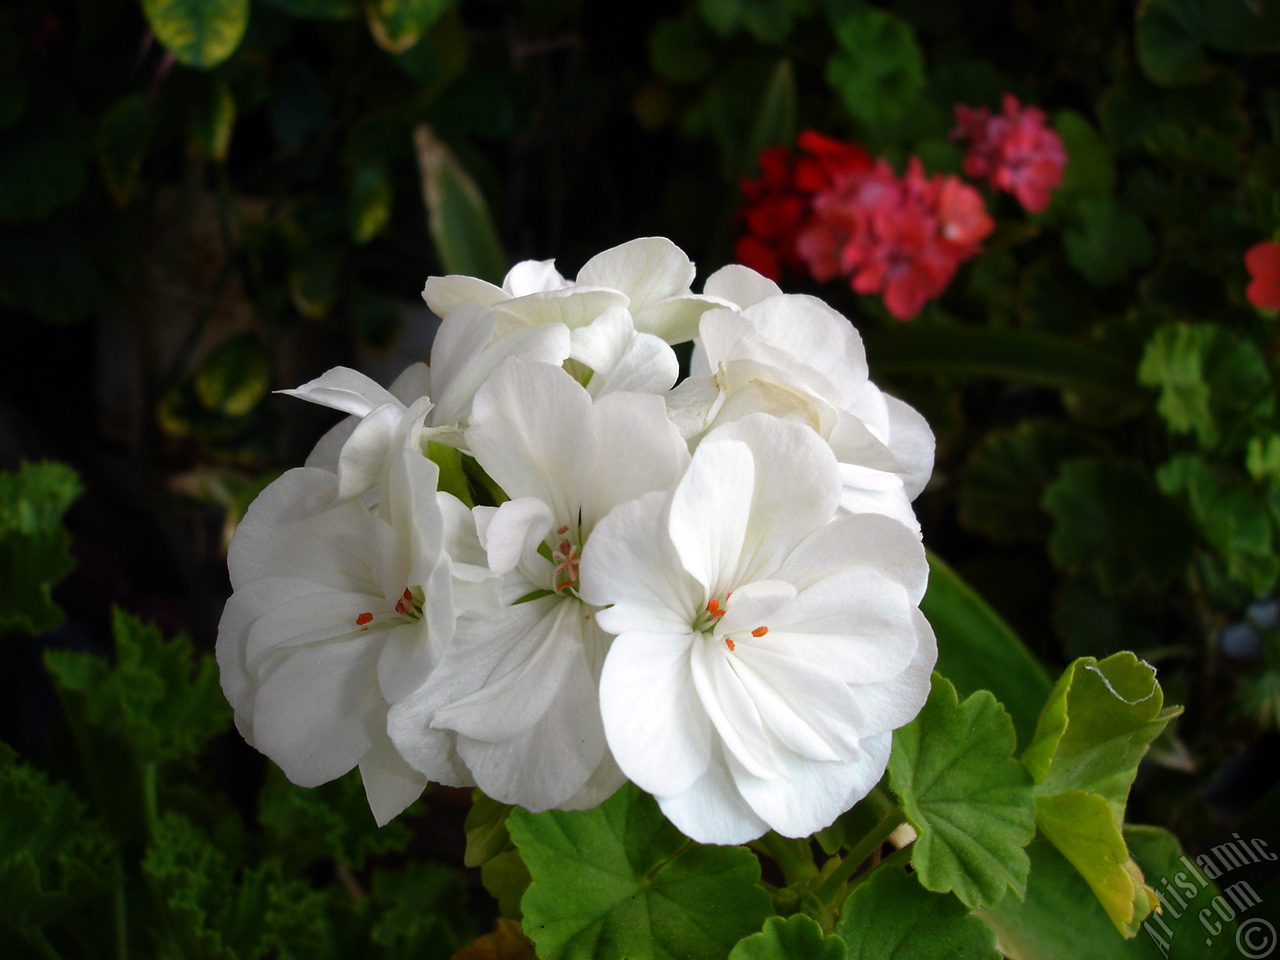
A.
pixel 1263 263
pixel 1012 150
pixel 832 211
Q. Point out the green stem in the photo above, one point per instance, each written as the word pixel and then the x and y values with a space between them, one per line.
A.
pixel 789 855
pixel 685 848
pixel 122 920
pixel 898 858
pixel 866 846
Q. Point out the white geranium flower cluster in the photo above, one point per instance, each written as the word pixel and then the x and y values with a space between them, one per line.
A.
pixel 709 589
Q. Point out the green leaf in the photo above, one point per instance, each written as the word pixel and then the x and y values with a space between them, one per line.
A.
pixel 620 880
pixel 891 915
pixel 1084 829
pixel 879 69
pixel 213 117
pixel 303 825
pixel 1109 521
pixel 452 477
pixel 53 856
pixel 35 548
pixel 1171 35
pixel 158 699
pixel 1106 241
pixel 795 938
pixel 968 798
pixel 457 215
pixel 769 21
pixel 1021 356
pixel 44 165
pixel 212 911
pixel 1231 518
pixel 1005 477
pixel 1096 725
pixel 233 380
pixel 122 145
pixel 1212 382
pixel 978 651
pixel 506 878
pixel 1262 459
pixel 199 33
pixel 486 829
pixel 1061 919
pixel 399 24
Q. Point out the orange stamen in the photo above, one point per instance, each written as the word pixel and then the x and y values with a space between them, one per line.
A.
pixel 563 530
pixel 399 606
pixel 363 619
pixel 407 595
pixel 759 631
pixel 561 586
pixel 730 644
pixel 713 608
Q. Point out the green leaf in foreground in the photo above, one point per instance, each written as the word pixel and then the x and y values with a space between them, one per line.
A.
pixel 795 938
pixel 620 880
pixel 968 798
pixel 891 915
pixel 35 548
pixel 199 33
pixel 1096 726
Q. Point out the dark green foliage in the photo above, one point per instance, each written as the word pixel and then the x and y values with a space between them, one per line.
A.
pixel 35 549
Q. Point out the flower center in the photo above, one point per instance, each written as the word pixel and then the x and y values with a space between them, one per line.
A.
pixel 408 609
pixel 707 621
pixel 566 556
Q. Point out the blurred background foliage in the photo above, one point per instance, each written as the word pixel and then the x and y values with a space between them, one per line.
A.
pixel 202 201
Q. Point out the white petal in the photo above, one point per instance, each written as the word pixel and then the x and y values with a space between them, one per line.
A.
pixel 710 510
pixel 675 319
pixel 515 530
pixel 740 285
pixel 892 703
pixel 600 786
pixel 814 334
pixel 858 624
pixel 574 307
pixel 547 344
pixel 712 810
pixel 343 389
pixel 431 752
pixel 444 294
pixel 864 540
pixel 630 563
pixel 318 713
pixel 730 708
pixel 812 793
pixel 754 605
pixel 390 784
pixel 363 459
pixel 413 383
pixel 853 442
pixel 646 270
pixel 864 490
pixel 812 714
pixel 639 450
pixel 656 728
pixel 306 619
pixel 621 359
pixel 405 660
pixel 324 455
pixel 912 444
pixel 693 404
pixel 796 488
pixel 534 432
pixel 532 276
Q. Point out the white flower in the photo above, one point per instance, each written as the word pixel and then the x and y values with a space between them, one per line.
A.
pixel 338 612
pixel 764 651
pixel 438 397
pixel 796 358
pixel 626 305
pixel 520 688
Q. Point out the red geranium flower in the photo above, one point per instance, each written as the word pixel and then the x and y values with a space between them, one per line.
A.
pixel 1263 263
pixel 1013 150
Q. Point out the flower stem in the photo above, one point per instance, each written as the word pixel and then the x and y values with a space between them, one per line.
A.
pixel 789 855
pixel 865 847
